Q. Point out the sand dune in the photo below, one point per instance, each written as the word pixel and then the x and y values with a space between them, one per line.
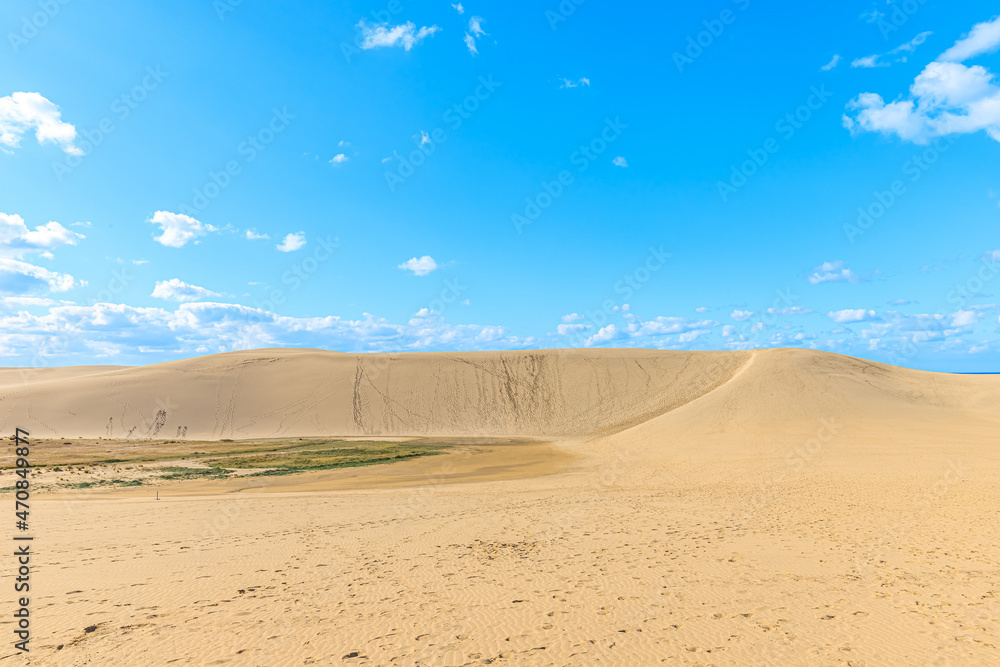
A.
pixel 781 507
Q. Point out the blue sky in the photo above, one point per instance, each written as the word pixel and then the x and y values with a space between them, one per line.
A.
pixel 402 176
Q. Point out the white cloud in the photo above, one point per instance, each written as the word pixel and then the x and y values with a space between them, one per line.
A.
pixel 849 316
pixel 476 26
pixel 16 239
pixel 23 112
pixel 252 235
pixel 206 327
pixel 343 144
pixel 470 43
pixel 701 309
pixel 292 242
pixel 459 8
pixel 741 315
pixel 964 318
pixel 18 278
pixel 339 159
pixel 908 47
pixel 983 38
pixel 85 225
pixel 866 62
pixel 475 30
pixel 946 98
pixel 566 83
pixel 419 266
pixel 832 272
pixel 871 15
pixel 177 229
pixel 620 162
pixel 570 329
pixel 603 335
pixel 382 34
pixel 833 63
pixel 140 262
pixel 790 312
pixel 572 317
pixel 177 290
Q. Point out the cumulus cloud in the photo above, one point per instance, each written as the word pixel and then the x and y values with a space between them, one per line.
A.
pixel 18 278
pixel 177 229
pixel 405 35
pixel 420 266
pixel 964 318
pixel 849 316
pixel 603 335
pixel 205 327
pixel 620 162
pixel 252 235
pixel 22 112
pixel 292 242
pixel 946 98
pixel 177 290
pixel 572 317
pixel 832 272
pixel 16 238
pixel 741 315
pixel 339 159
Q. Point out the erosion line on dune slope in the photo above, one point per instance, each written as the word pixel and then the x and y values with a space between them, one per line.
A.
pixel 634 421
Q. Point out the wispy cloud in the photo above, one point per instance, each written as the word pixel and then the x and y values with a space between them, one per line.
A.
pixel 475 30
pixel 339 159
pixel 620 162
pixel 566 83
pixel 878 59
pixel 829 272
pixel 833 63
pixel 252 235
pixel 178 290
pixel 405 35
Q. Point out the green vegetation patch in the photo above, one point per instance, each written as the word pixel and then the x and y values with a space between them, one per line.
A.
pixel 324 455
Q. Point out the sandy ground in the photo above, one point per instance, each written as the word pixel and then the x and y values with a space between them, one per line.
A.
pixel 782 507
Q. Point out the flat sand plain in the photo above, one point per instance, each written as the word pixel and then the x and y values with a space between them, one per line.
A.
pixel 620 507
